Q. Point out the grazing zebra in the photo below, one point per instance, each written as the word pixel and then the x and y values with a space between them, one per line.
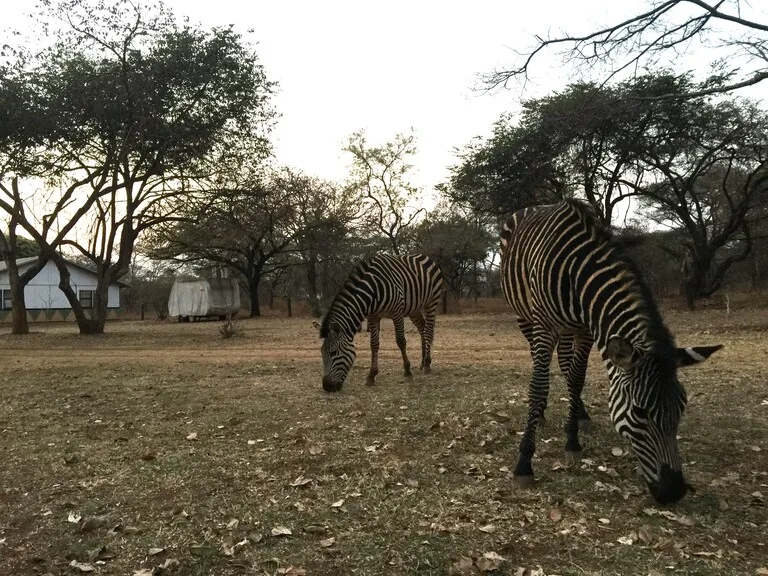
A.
pixel 382 286
pixel 570 285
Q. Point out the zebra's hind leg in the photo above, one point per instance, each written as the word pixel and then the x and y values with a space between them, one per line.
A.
pixel 373 327
pixel 419 322
pixel 428 337
pixel 573 355
pixel 526 328
pixel 400 339
pixel 543 345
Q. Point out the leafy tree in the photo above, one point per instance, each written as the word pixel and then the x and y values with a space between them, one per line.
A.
pixel 148 105
pixel 512 169
pixel 667 28
pixel 246 224
pixel 459 242
pixel 709 176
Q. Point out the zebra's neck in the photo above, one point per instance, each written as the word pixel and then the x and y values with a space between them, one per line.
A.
pixel 351 305
pixel 618 303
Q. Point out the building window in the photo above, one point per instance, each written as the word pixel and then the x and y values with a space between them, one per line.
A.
pixel 86 298
pixel 7 303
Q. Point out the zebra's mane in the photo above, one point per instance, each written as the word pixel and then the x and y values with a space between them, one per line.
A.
pixel 349 286
pixel 661 340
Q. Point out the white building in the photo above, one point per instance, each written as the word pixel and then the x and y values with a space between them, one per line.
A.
pixel 45 300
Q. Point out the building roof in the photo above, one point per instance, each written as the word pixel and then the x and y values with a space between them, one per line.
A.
pixel 30 259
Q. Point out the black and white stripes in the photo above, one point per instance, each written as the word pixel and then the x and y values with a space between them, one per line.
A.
pixel 383 286
pixel 571 285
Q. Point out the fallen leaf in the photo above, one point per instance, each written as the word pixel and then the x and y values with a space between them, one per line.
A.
pixel 604 521
pixel 301 481
pixel 74 518
pixel 281 531
pixel 487 528
pixel 315 450
pixel 315 529
pixel 763 571
pixel 100 554
pixel 555 515
pixel 232 524
pixel 338 503
pixel 143 572
pixel 489 562
pixel 327 542
pixel 616 451
pixel 93 523
pixel 463 567
pixel 192 436
pixel 292 571
pixel 255 537
pixel 626 540
pixel 758 497
pixel 82 566
pixel 371 448
pixel 170 564
pixel 686 520
pixel 156 551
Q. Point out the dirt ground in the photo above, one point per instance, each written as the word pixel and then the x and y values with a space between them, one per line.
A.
pixel 164 448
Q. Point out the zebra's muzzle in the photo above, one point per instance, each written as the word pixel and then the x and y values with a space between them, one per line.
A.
pixel 330 386
pixel 671 486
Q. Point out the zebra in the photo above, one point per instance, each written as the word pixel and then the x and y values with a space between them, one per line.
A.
pixel 570 284
pixel 383 286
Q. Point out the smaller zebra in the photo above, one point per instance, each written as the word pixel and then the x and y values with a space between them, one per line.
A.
pixel 383 286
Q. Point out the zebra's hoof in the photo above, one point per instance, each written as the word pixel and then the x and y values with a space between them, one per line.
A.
pixel 542 420
pixel 523 481
pixel 369 381
pixel 408 375
pixel 427 370
pixel 573 456
pixel 585 425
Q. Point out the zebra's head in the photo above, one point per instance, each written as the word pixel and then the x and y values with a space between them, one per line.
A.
pixel 338 352
pixel 646 403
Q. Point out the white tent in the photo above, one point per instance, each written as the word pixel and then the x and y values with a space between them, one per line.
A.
pixel 200 298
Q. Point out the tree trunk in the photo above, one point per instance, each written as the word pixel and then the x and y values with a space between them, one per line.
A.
pixel 314 299
pixel 18 302
pixel 81 317
pixel 253 292
pixel 445 301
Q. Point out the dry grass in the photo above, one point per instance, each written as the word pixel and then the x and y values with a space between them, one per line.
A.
pixel 99 426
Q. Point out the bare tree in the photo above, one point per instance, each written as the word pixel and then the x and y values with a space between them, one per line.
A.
pixel 379 173
pixel 666 27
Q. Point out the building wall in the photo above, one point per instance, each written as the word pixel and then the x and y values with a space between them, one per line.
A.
pixel 43 293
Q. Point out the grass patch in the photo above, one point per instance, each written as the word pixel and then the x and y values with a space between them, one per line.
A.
pixel 180 441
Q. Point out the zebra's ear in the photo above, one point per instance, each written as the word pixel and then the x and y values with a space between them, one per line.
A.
pixel 689 356
pixel 335 327
pixel 316 324
pixel 619 351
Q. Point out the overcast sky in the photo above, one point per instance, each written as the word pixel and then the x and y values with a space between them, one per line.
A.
pixel 389 67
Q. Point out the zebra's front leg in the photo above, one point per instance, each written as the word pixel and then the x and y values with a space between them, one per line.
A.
pixel 400 339
pixel 573 355
pixel 373 328
pixel 543 345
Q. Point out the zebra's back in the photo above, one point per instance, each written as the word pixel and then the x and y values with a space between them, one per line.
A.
pixel 406 284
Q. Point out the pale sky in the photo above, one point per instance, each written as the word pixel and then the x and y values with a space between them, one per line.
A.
pixel 389 67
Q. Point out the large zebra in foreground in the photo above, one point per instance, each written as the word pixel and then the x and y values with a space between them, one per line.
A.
pixel 382 286
pixel 570 285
